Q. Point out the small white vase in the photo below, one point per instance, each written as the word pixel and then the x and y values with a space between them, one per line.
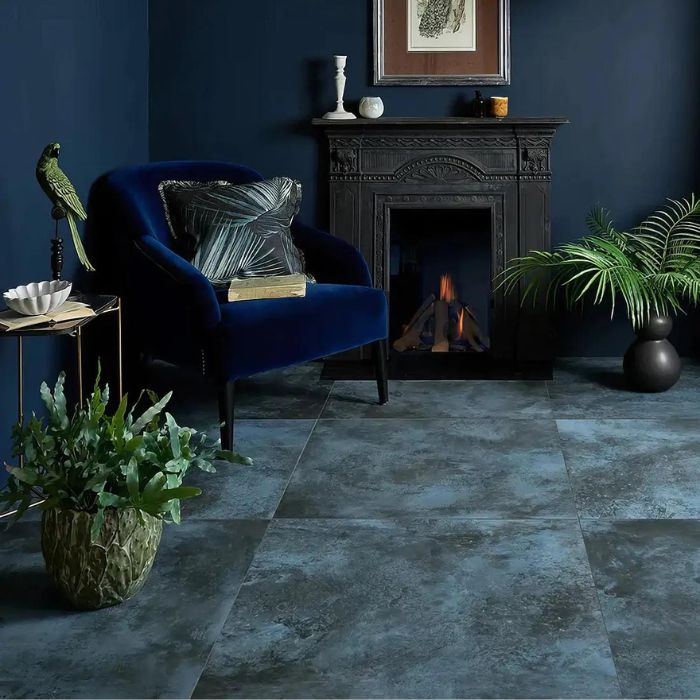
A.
pixel 371 107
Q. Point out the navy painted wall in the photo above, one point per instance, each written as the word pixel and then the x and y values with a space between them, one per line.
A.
pixel 240 80
pixel 74 71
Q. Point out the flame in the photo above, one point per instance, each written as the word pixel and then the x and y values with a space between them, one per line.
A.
pixel 447 289
pixel 460 324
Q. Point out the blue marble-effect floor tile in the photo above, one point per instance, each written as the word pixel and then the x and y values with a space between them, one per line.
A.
pixel 415 609
pixel 648 578
pixel 595 388
pixel 606 371
pixel 588 369
pixel 340 605
pixel 438 399
pixel 633 468
pixel 154 645
pixel 293 392
pixel 237 491
pixel 397 467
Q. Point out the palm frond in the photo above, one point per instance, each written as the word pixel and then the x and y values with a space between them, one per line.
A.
pixel 600 223
pixel 670 237
pixel 654 268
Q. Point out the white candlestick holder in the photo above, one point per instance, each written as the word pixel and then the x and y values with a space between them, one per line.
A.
pixel 339 112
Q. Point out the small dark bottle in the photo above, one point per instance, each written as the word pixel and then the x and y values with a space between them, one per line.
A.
pixel 479 105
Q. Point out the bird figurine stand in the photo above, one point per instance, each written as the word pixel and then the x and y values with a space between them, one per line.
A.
pixel 57 245
pixel 66 205
pixel 339 112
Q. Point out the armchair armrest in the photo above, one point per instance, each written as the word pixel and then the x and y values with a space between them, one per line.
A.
pixel 181 283
pixel 330 259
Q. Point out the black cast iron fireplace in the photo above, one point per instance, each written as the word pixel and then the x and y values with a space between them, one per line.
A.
pixel 438 207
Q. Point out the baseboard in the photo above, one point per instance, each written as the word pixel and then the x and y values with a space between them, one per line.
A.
pixel 450 366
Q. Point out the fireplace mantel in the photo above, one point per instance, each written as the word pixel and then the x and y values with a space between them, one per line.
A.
pixel 511 148
pixel 504 165
pixel 384 122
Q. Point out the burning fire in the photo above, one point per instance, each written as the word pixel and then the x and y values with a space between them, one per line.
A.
pixel 447 289
pixel 460 324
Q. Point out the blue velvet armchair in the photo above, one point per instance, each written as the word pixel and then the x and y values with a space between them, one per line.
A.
pixel 172 312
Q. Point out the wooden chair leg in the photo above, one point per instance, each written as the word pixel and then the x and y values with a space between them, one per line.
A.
pixel 226 402
pixel 379 352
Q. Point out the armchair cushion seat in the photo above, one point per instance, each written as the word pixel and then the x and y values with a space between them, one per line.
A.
pixel 254 336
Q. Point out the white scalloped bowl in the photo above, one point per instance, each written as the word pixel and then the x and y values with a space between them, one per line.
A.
pixel 38 297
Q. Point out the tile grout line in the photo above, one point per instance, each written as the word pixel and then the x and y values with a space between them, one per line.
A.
pixel 260 543
pixel 482 417
pixel 429 518
pixel 588 561
pixel 301 453
pixel 441 418
pixel 233 602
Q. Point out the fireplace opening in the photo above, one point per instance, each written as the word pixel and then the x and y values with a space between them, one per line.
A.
pixel 440 282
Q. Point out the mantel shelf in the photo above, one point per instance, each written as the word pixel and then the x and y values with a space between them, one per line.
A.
pixel 439 122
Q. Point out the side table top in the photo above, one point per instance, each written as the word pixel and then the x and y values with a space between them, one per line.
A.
pixel 100 304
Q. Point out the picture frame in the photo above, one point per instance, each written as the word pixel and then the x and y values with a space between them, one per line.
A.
pixel 441 42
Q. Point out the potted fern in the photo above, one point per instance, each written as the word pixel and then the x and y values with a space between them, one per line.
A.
pixel 107 484
pixel 654 268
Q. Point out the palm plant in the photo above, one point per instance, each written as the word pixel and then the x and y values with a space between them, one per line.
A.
pixel 654 268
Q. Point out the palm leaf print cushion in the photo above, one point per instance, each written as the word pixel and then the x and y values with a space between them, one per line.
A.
pixel 233 231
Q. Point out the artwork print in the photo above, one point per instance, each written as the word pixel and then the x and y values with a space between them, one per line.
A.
pixel 441 25
pixel 441 42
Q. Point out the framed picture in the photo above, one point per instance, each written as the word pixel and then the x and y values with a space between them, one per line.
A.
pixel 441 42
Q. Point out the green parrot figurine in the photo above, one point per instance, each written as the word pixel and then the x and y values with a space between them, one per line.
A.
pixel 62 194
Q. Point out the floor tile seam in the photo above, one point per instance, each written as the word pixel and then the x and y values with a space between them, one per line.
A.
pixel 653 419
pixel 267 419
pixel 228 519
pixel 227 614
pixel 591 416
pixel 333 382
pixel 275 418
pixel 467 380
pixel 300 455
pixel 388 518
pixel 442 419
pixel 426 518
pixel 591 576
pixel 331 386
pixel 607 519
pixel 599 602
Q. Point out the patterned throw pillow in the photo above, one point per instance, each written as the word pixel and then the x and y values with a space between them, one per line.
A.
pixel 232 231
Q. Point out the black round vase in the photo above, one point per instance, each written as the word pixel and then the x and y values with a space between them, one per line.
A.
pixel 652 364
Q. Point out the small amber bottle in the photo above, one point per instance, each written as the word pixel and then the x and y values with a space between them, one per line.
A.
pixel 479 105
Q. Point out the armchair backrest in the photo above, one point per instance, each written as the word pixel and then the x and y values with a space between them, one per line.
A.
pixel 131 194
pixel 125 208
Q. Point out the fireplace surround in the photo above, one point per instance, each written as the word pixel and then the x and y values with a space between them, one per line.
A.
pixel 503 167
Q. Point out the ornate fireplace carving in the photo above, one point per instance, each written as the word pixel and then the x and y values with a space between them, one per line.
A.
pixel 504 166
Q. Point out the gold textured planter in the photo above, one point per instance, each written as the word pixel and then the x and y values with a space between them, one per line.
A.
pixel 105 573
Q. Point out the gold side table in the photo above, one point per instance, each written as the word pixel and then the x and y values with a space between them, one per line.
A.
pixel 101 304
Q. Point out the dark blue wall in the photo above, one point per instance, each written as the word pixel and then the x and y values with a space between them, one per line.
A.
pixel 74 71
pixel 240 81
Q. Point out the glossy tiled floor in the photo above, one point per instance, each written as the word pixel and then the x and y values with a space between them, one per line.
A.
pixel 475 539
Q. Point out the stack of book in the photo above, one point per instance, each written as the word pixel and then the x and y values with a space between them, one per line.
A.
pixel 71 311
